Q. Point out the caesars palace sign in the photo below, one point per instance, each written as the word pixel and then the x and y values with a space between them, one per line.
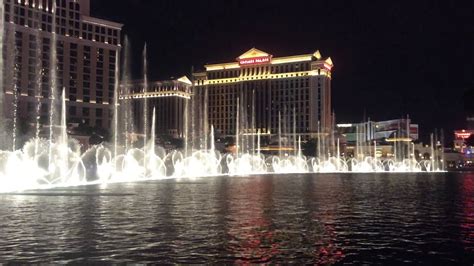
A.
pixel 255 60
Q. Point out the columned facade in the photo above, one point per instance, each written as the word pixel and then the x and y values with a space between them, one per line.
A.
pixel 169 98
pixel 262 93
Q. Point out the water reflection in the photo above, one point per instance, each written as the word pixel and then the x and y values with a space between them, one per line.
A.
pixel 317 219
pixel 251 234
pixel 467 224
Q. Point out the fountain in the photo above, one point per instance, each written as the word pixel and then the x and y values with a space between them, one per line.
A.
pixel 57 161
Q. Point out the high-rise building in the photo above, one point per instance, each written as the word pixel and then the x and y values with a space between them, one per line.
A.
pixel 267 94
pixel 87 51
pixel 169 98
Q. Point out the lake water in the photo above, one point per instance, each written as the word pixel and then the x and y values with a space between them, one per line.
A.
pixel 310 218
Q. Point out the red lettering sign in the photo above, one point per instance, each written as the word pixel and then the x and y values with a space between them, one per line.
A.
pixel 463 135
pixel 255 60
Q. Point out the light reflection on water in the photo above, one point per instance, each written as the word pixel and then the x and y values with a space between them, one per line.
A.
pixel 313 218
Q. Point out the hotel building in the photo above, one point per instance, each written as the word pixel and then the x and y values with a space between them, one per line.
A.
pixel 460 137
pixel 389 130
pixel 87 53
pixel 269 93
pixel 169 98
pixel 382 137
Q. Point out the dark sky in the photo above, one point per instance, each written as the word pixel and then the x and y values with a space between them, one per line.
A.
pixel 391 58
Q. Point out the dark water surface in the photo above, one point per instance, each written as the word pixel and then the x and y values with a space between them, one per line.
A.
pixel 313 218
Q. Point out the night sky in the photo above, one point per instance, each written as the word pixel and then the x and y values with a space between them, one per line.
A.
pixel 392 58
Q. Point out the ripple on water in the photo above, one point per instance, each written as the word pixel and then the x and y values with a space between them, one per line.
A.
pixel 322 219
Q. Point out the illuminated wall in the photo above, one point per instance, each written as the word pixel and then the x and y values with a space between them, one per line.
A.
pixel 169 98
pixel 87 50
pixel 271 94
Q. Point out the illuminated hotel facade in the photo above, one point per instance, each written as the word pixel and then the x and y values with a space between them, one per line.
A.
pixel 270 94
pixel 87 52
pixel 169 98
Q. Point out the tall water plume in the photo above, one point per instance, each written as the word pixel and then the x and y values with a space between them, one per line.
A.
pixel 295 150
pixel 126 103
pixel 237 127
pixel 2 91
pixel 53 93
pixel 116 114
pixel 186 128
pixel 279 134
pixel 253 123
pixel 153 133
pixel 213 145
pixel 205 118
pixel 145 103
pixel 191 125
pixel 37 82
pixel 11 74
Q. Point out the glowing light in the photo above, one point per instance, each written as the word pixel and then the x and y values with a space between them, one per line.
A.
pixel 222 66
pixel 185 79
pixel 317 54
pixel 328 67
pixel 399 139
pixel 329 61
pixel 101 22
pixel 265 76
pixel 344 125
pixel 291 59
pixel 463 135
pixel 255 60
pixel 159 94
pixel 253 53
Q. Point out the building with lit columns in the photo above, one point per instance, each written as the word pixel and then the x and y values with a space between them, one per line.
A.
pixel 268 94
pixel 169 98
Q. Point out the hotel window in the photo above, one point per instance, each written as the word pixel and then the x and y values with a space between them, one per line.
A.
pixel 30 107
pixel 44 108
pixel 72 110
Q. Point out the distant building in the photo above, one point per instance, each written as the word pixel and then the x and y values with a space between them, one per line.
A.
pixel 270 94
pixel 467 130
pixel 390 130
pixel 170 98
pixel 380 137
pixel 87 50
pixel 460 137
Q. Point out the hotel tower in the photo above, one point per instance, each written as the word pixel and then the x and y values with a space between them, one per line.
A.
pixel 267 94
pixel 87 52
